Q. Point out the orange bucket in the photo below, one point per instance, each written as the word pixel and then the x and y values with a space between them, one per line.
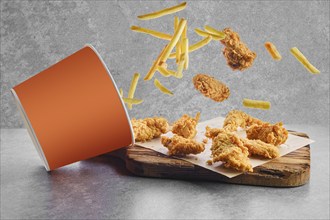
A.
pixel 73 110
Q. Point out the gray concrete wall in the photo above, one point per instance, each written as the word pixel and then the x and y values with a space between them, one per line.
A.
pixel 36 34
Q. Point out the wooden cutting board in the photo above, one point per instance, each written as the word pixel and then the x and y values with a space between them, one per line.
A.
pixel 290 170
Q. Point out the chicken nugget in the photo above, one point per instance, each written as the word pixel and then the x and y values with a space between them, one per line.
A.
pixel 186 126
pixel 149 128
pixel 180 146
pixel 211 88
pixel 273 134
pixel 237 54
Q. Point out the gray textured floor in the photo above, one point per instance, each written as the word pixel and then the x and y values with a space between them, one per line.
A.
pixel 36 34
pixel 102 188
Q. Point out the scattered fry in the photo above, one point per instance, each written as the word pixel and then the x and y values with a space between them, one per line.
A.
pixel 162 88
pixel 273 51
pixel 195 46
pixel 206 34
pixel 164 65
pixel 303 60
pixel 132 88
pixel 174 40
pixel 157 34
pixel 132 101
pixel 185 50
pixel 180 66
pixel 214 31
pixel 249 103
pixel 153 69
pixel 178 45
pixel 165 72
pixel 163 12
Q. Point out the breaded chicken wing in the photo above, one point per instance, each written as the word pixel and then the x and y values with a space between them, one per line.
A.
pixel 236 118
pixel 186 126
pixel 237 54
pixel 149 128
pixel 273 134
pixel 211 88
pixel 180 146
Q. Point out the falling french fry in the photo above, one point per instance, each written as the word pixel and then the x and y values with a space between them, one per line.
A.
pixel 163 12
pixel 195 46
pixel 157 34
pixel 132 87
pixel 174 41
pixel 249 103
pixel 303 60
pixel 162 88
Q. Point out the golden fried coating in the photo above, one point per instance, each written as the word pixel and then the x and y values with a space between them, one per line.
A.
pixel 260 148
pixel 220 142
pixel 228 148
pixel 211 88
pixel 149 128
pixel 236 118
pixel 186 126
pixel 273 134
pixel 180 146
pixel 237 54
pixel 212 132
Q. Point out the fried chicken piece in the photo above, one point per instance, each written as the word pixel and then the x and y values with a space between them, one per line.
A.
pixel 254 147
pixel 212 132
pixel 186 126
pixel 237 54
pixel 260 148
pixel 211 88
pixel 273 134
pixel 180 146
pixel 149 128
pixel 236 118
pixel 228 148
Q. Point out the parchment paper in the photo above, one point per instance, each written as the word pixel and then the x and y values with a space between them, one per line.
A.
pixel 293 143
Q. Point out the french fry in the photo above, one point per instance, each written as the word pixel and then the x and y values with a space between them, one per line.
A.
pixel 162 88
pixel 121 92
pixel 174 41
pixel 165 72
pixel 178 45
pixel 200 44
pixel 157 34
pixel 132 88
pixel 195 46
pixel 180 66
pixel 163 12
pixel 212 30
pixel 164 65
pixel 185 50
pixel 132 101
pixel 303 60
pixel 206 34
pixel 249 103
pixel 273 51
pixel 184 35
pixel 153 68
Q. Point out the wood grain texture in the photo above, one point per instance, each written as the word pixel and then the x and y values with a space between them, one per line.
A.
pixel 290 170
